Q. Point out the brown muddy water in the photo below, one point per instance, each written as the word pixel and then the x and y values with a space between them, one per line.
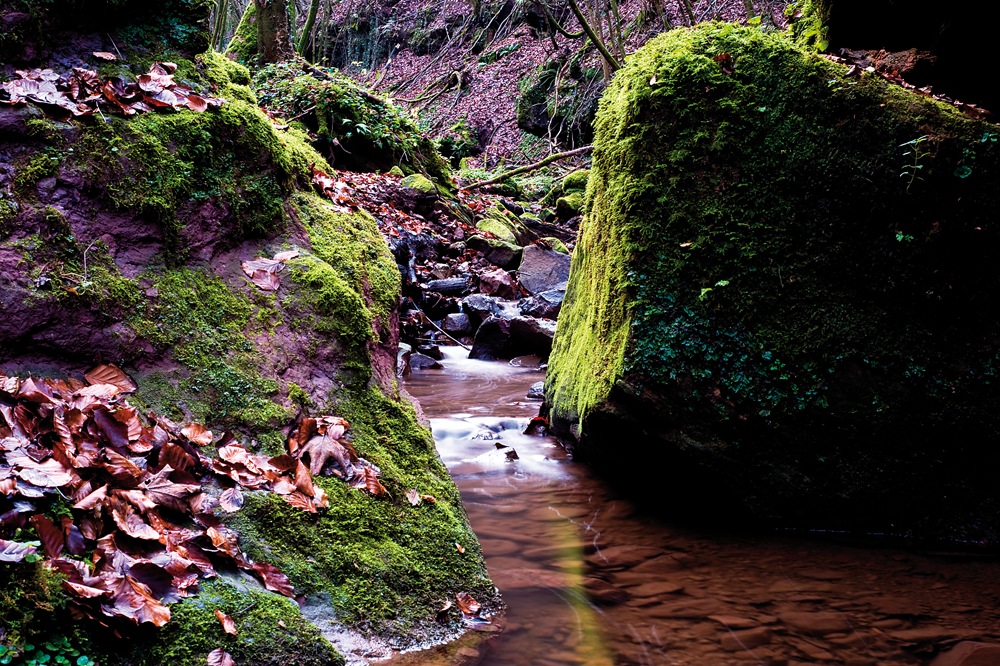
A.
pixel 590 579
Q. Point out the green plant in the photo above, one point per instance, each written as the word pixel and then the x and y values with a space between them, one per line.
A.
pixel 911 171
pixel 58 651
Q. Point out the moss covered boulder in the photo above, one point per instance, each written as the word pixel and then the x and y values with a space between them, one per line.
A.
pixel 784 292
pixel 122 241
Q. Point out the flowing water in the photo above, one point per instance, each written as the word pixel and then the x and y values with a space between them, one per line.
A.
pixel 590 579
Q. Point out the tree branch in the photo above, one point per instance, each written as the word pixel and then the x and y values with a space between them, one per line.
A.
pixel 611 61
pixel 531 167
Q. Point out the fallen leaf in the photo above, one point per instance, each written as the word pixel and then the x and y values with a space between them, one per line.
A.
pixel 460 548
pixel 273 579
pixel 111 374
pixel 219 657
pixel 197 434
pixel 227 622
pixel 13 551
pixel 51 536
pixel 104 55
pixel 413 497
pixel 467 603
pixel 231 500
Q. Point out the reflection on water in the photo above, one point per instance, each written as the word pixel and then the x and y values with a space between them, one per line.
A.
pixel 588 579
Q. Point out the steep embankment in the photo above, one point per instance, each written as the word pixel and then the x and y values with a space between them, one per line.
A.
pixel 122 241
pixel 783 291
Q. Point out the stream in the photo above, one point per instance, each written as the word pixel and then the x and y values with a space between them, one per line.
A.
pixel 591 579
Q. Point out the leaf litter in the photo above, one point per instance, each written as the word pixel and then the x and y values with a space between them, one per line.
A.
pixel 139 491
pixel 85 93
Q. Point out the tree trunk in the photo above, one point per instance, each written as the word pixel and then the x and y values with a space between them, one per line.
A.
pixel 274 30
pixel 306 37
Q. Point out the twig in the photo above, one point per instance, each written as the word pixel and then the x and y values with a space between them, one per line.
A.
pixel 116 47
pixel 442 331
pixel 85 275
pixel 531 167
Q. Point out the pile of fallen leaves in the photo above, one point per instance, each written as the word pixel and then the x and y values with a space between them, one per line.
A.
pixel 79 465
pixel 84 93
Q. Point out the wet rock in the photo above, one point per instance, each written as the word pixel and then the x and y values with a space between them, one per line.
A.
pixel 545 304
pixel 623 557
pixel 497 252
pixel 492 340
pixel 437 306
pixel 480 307
pixel 746 639
pixel 969 653
pixel 532 335
pixel 819 622
pixel 543 269
pixel 431 350
pixel 686 609
pixel 526 361
pixel 403 359
pixel 497 283
pixel 536 392
pixel 734 621
pixel 420 362
pixel 455 286
pixel 457 324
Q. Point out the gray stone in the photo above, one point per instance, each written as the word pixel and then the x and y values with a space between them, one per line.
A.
pixel 546 304
pixel 457 324
pixel 537 391
pixel 530 335
pixel 419 361
pixel 497 252
pixel 497 283
pixel 543 269
pixel 448 286
pixel 480 307
pixel 492 340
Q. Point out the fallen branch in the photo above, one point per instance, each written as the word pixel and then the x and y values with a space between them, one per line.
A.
pixel 531 167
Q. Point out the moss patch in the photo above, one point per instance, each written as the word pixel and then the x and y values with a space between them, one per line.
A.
pixel 379 562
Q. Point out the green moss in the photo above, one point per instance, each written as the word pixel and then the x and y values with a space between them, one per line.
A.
pixel 378 562
pixel 243 46
pixel 353 249
pixel 202 322
pixel 570 204
pixel 269 628
pixel 751 257
pixel 361 131
pixel 419 183
pixel 43 164
pixel 31 601
pixel 576 180
pixel 807 23
pixel 231 79
pixel 504 225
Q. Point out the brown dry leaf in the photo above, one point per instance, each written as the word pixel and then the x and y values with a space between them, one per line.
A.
pixel 48 474
pixel 163 491
pixel 413 497
pixel 368 479
pixel 429 498
pixel 131 523
pixel 273 579
pixel 104 55
pixel 467 603
pixel 197 103
pixel 197 434
pixel 322 448
pixel 300 501
pixel 111 374
pixel 51 536
pixel 286 255
pixel 219 657
pixel 460 548
pixel 13 551
pixel 227 622
pixel 134 600
pixel 231 500
pixel 8 486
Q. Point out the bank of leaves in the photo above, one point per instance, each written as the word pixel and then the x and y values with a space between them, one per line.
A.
pixel 85 93
pixel 124 507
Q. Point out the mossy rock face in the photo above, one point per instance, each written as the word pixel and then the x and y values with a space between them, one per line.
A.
pixel 125 246
pixel 762 301
pixel 570 205
pixel 577 180
pixel 353 128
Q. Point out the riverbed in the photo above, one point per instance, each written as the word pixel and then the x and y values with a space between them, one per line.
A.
pixel 591 579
